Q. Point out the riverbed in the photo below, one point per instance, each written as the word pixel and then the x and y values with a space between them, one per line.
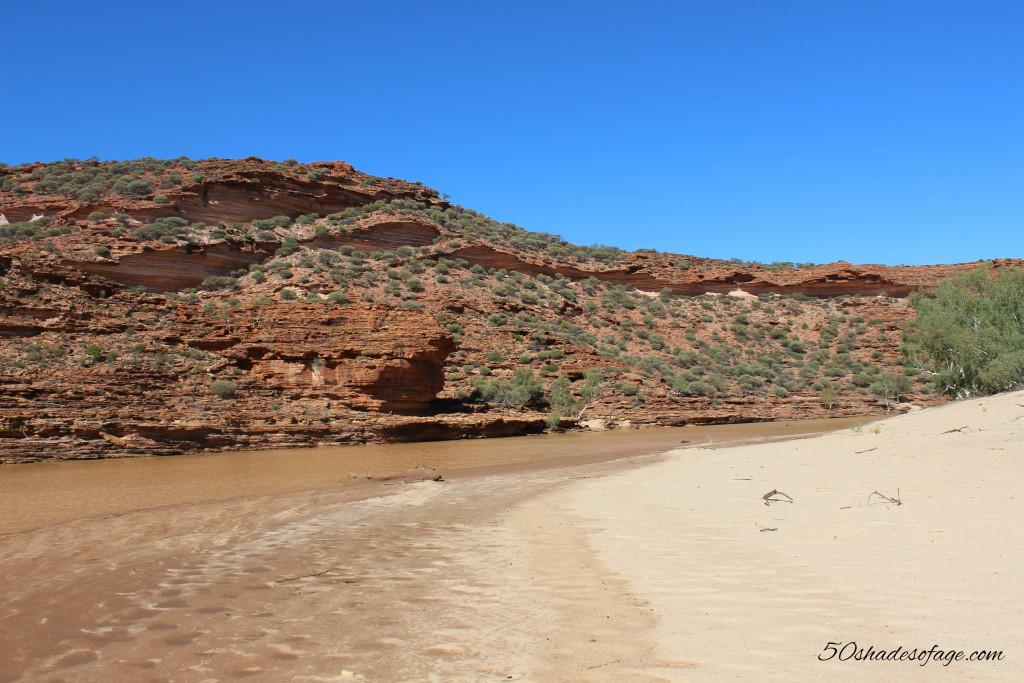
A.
pixel 35 495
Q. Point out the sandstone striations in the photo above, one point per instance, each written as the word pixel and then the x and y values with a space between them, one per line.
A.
pixel 156 307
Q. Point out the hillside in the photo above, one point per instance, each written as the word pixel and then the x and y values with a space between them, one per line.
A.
pixel 165 306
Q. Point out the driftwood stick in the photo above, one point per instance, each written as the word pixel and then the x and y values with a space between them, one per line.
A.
pixel 886 498
pixel 867 450
pixel 767 498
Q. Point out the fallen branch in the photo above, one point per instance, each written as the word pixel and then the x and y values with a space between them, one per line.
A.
pixel 867 450
pixel 958 429
pixel 886 498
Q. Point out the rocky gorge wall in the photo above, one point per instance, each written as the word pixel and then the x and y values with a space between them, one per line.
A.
pixel 361 317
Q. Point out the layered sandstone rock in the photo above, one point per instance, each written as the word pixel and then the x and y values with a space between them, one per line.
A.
pixel 375 323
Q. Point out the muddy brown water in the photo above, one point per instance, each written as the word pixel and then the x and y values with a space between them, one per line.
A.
pixel 41 494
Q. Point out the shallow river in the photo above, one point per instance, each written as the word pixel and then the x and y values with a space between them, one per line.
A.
pixel 39 494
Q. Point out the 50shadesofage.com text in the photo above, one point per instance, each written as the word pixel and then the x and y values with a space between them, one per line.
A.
pixel 844 652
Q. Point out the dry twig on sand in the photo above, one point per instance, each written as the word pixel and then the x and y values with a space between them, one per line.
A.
pixel 958 429
pixel 768 499
pixel 886 498
pixel 866 450
pixel 598 666
pixel 305 576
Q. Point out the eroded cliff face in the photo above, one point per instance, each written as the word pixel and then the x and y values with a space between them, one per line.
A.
pixel 367 357
pixel 344 308
pixel 299 374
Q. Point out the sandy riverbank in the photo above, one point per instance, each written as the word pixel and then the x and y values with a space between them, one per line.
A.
pixel 644 569
pixel 745 590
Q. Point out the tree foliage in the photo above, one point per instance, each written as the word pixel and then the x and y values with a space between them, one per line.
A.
pixel 969 332
pixel 518 391
pixel 828 397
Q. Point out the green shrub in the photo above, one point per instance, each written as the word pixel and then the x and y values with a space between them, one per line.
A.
pixel 140 187
pixel 103 252
pixel 288 294
pixel 289 246
pixel 700 388
pixel 629 389
pixel 217 282
pixel 223 388
pixel 97 216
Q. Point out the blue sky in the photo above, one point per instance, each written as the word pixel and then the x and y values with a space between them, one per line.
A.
pixel 874 132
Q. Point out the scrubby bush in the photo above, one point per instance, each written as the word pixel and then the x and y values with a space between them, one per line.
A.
pixel 223 388
pixel 140 187
pixel 217 282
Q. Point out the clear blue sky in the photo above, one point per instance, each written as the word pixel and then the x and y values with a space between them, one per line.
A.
pixel 818 130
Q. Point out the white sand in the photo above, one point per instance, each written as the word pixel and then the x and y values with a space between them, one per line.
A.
pixel 690 535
